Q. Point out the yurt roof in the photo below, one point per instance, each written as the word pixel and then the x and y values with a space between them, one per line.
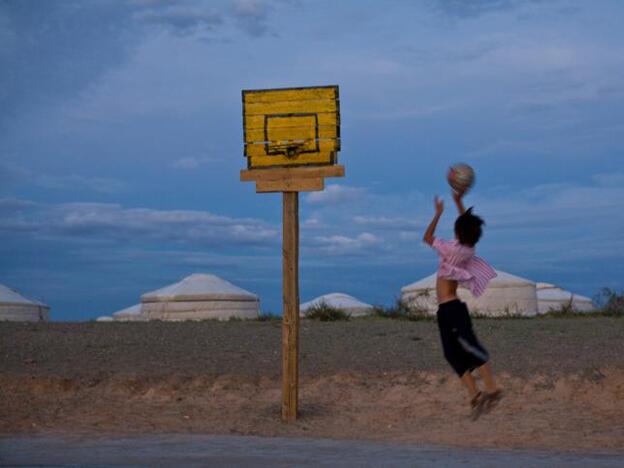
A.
pixel 104 318
pixel 425 283
pixel 10 296
pixel 337 300
pixel 550 292
pixel 502 280
pixel 199 287
pixel 132 310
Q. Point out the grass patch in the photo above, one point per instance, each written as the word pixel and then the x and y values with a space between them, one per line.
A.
pixel 566 310
pixel 401 310
pixel 506 313
pixel 610 304
pixel 268 317
pixel 326 313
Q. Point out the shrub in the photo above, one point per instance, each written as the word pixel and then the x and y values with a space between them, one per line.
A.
pixel 401 310
pixel 326 313
pixel 610 302
pixel 564 310
pixel 268 317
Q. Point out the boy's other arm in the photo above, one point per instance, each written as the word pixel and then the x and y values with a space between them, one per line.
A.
pixel 457 197
pixel 429 236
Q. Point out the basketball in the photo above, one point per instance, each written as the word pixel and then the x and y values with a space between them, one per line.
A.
pixel 461 177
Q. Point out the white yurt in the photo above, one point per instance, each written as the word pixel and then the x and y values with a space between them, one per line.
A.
pixel 506 294
pixel 552 297
pixel 344 302
pixel 104 318
pixel 17 308
pixel 199 297
pixel 130 314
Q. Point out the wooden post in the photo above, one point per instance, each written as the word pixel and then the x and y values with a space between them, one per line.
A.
pixel 290 312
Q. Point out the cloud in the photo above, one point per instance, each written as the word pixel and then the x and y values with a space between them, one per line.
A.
pixel 53 50
pixel 182 19
pixel 335 194
pixel 472 8
pixel 113 223
pixel 452 53
pixel 313 223
pixel 252 16
pixel 385 222
pixel 556 222
pixel 76 182
pixel 194 17
pixel 614 179
pixel 191 162
pixel 13 175
pixel 11 206
pixel 410 113
pixel 344 245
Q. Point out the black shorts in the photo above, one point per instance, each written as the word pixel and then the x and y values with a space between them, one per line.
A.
pixel 461 348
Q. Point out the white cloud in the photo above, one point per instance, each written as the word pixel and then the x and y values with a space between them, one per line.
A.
pixel 111 222
pixel 335 194
pixel 473 8
pixel 191 162
pixel 557 222
pixel 313 223
pixel 181 19
pixel 386 222
pixel 12 205
pixel 344 245
pixel 254 8
pixel 252 16
pixel 614 179
pixel 17 175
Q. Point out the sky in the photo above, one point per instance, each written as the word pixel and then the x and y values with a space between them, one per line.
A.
pixel 121 143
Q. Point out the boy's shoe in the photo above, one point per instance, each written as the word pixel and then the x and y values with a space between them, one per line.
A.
pixel 477 405
pixel 491 399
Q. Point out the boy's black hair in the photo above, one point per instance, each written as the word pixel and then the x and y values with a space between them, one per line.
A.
pixel 468 228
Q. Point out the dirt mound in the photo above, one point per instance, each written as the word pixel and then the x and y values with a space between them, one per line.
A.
pixel 574 412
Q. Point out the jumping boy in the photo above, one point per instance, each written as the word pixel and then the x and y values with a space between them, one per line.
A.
pixel 459 265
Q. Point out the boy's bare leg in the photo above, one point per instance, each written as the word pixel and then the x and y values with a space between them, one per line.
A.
pixel 488 378
pixel 469 382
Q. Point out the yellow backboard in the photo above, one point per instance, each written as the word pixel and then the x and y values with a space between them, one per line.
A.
pixel 291 126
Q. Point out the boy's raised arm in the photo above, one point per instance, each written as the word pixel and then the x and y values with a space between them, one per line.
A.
pixel 457 197
pixel 429 233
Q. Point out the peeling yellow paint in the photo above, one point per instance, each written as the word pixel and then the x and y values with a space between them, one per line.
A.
pixel 291 127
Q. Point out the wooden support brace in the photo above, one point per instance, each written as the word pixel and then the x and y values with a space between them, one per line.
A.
pixel 292 173
pixel 290 185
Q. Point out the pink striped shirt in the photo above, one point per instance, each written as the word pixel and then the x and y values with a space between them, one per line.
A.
pixel 458 262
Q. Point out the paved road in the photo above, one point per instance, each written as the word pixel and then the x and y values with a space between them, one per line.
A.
pixel 203 450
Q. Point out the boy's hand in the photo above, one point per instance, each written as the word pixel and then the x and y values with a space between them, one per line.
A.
pixel 439 205
pixel 457 195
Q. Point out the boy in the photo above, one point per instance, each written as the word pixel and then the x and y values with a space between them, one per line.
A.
pixel 459 265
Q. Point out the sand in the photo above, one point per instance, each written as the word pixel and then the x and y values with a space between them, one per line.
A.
pixel 377 380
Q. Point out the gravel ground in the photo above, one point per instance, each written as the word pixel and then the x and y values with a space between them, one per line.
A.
pixel 517 346
pixel 382 380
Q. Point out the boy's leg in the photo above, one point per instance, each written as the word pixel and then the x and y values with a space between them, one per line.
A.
pixel 488 378
pixel 470 383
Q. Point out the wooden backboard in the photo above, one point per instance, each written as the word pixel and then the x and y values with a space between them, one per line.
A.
pixel 291 127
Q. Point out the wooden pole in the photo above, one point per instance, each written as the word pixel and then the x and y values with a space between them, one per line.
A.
pixel 290 321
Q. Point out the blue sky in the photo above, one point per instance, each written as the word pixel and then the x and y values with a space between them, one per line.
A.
pixel 121 142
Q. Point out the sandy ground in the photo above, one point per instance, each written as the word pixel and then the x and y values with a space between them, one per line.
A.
pixel 366 379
